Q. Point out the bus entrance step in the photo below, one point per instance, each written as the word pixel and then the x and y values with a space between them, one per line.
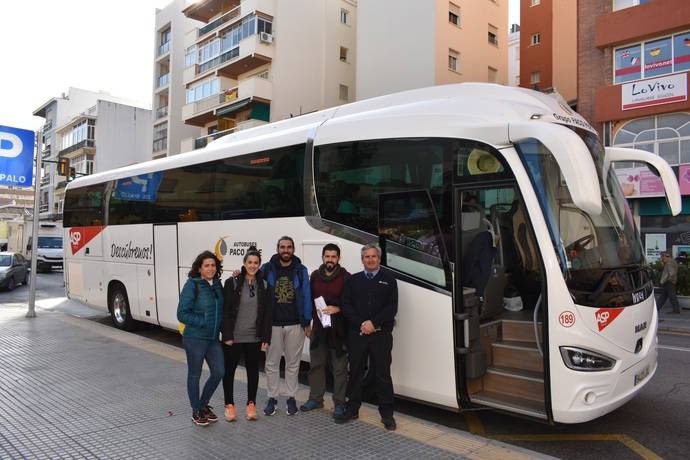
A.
pixel 519 331
pixel 517 355
pixel 510 403
pixel 515 382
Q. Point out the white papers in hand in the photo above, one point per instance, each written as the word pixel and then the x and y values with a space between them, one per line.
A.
pixel 325 318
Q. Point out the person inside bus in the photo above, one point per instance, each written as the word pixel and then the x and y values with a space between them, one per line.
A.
pixel 246 329
pixel 201 311
pixel 291 318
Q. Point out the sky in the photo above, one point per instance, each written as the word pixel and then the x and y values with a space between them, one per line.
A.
pixel 48 46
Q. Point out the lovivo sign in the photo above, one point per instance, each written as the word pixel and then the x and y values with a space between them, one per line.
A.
pixel 16 157
pixel 654 91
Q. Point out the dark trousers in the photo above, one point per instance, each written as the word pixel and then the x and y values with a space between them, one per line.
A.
pixel 252 355
pixel 319 357
pixel 377 347
pixel 669 293
pixel 197 351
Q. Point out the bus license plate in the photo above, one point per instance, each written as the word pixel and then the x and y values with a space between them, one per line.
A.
pixel 640 376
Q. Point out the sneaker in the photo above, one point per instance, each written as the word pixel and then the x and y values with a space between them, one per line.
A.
pixel 311 405
pixel 230 415
pixel 210 416
pixel 291 406
pixel 251 411
pixel 199 418
pixel 270 408
pixel 339 410
pixel 346 416
pixel 389 423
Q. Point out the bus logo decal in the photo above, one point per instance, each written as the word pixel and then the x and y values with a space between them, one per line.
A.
pixel 605 316
pixel 567 318
pixel 79 236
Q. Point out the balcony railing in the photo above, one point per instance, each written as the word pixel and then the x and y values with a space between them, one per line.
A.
pixel 163 80
pixel 48 125
pixel 164 48
pixel 46 152
pixel 160 143
pixel 201 142
pixel 77 146
pixel 43 208
pixel 225 57
pixel 45 180
pixel 229 16
pixel 161 112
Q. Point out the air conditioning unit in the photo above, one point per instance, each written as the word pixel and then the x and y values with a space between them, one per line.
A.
pixel 266 37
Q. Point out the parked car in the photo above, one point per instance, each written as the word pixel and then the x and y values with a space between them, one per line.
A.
pixel 14 269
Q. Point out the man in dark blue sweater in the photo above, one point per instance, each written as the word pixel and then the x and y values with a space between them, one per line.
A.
pixel 370 303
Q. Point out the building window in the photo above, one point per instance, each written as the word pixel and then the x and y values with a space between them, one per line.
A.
pixel 454 14
pixel 492 75
pixel 453 60
pixel 344 16
pixel 621 4
pixel 536 39
pixel 493 35
pixel 653 58
pixel 665 135
pixel 535 2
pixel 343 54
pixel 82 131
pixel 344 93
pixel 203 90
pixel 83 164
pixel 535 78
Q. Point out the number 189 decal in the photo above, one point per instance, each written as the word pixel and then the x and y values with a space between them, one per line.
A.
pixel 567 318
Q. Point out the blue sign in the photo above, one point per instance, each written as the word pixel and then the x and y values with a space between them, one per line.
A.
pixel 138 188
pixel 16 157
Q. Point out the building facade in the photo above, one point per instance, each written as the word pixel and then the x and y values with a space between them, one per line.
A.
pixel 168 88
pixel 406 44
pixel 78 125
pixel 256 61
pixel 548 60
pixel 634 60
pixel 514 55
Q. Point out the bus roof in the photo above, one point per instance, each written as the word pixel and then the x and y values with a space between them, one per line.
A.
pixel 482 103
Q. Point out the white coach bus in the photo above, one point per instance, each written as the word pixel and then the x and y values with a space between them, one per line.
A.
pixel 522 281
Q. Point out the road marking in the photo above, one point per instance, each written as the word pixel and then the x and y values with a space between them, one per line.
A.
pixel 669 347
pixel 624 439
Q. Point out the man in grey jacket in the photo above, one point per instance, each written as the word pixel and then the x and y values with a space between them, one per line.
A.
pixel 668 281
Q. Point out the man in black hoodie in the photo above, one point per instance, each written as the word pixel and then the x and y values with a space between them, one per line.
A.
pixel 289 280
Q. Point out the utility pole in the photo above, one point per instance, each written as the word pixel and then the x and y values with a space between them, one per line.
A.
pixel 31 313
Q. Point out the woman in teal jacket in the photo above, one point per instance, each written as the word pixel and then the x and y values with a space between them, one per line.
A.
pixel 201 311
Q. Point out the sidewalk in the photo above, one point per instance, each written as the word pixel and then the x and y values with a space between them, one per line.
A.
pixel 670 322
pixel 74 388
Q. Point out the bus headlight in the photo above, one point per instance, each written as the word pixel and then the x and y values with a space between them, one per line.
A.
pixel 579 359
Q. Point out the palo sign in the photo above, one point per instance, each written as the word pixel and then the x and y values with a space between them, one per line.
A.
pixel 16 156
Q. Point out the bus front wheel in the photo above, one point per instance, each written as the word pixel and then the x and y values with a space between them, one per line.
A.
pixel 118 305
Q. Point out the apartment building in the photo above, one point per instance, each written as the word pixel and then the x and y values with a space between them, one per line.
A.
pixel 168 89
pixel 258 61
pixel 514 55
pixel 633 65
pixel 406 44
pixel 57 112
pixel 548 60
pixel 96 132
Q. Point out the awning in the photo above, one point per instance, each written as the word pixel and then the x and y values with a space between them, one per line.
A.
pixel 234 107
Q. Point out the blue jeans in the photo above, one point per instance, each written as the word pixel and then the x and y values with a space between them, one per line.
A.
pixel 197 350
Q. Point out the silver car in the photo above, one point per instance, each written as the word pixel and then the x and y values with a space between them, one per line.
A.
pixel 14 269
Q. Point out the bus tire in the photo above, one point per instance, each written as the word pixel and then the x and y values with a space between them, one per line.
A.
pixel 118 304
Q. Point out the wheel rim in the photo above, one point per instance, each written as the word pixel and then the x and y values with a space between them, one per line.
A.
pixel 119 308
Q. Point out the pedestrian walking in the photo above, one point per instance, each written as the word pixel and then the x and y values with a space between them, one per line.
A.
pixel 288 280
pixel 327 344
pixel 668 281
pixel 370 303
pixel 246 330
pixel 201 311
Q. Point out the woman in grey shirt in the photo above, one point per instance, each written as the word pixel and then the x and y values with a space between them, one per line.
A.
pixel 246 329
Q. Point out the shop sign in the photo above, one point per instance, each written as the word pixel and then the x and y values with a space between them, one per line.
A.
pixel 684 179
pixel 639 182
pixel 654 91
pixel 654 244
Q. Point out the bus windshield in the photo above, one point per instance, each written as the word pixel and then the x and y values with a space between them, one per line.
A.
pixel 601 256
pixel 50 242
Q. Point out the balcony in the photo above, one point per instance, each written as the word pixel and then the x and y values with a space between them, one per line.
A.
pixel 85 146
pixel 163 80
pixel 47 126
pixel 248 91
pixel 161 143
pixel 164 49
pixel 251 53
pixel 201 142
pixel 43 208
pixel 204 10
pixel 45 180
pixel 213 25
pixel 46 152
pixel 161 112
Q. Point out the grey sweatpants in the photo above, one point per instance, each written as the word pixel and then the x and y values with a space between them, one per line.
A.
pixel 286 341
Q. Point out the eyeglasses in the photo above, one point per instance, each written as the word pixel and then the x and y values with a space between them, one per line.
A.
pixel 252 290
